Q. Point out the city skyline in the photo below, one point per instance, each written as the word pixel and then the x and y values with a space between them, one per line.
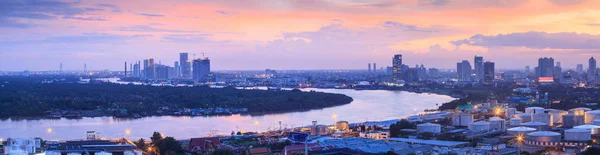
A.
pixel 296 35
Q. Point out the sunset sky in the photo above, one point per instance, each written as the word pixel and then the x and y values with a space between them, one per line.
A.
pixel 296 34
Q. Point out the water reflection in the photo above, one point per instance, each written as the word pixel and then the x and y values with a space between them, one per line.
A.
pixel 368 105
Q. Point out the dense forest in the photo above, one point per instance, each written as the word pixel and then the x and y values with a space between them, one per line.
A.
pixel 24 97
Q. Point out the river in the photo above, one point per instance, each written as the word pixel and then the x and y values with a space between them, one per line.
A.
pixel 368 105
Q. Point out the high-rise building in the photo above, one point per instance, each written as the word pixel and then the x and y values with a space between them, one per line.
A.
pixel 592 70
pixel 186 68
pixel 201 70
pixel 463 69
pixel 434 72
pixel 369 67
pixel 136 69
pixel 397 67
pixel 374 67
pixel 545 67
pixel 177 68
pixel 558 71
pixel 489 72
pixel 479 71
pixel 579 68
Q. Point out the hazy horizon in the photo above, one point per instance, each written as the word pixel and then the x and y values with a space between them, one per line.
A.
pixel 296 34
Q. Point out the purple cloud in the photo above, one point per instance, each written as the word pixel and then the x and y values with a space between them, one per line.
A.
pixel 226 12
pixel 537 40
pixel 150 15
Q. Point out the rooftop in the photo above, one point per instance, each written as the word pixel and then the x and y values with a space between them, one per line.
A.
pixel 429 142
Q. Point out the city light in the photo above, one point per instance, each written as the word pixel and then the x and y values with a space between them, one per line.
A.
pixel 128 132
pixel 49 130
pixel 519 138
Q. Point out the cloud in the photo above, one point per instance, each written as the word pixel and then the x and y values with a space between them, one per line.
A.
pixel 84 18
pixel 150 15
pixel 566 2
pixel 113 7
pixel 434 2
pixel 11 11
pixel 143 28
pixel 537 40
pixel 226 12
pixel 78 39
pixel 406 27
pixel 593 24
pixel 9 23
pixel 187 38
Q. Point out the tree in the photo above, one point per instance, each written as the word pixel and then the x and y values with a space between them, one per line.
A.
pixel 222 152
pixel 156 136
pixel 141 144
pixel 390 153
pixel 591 151
pixel 239 133
pixel 169 145
pixel 396 129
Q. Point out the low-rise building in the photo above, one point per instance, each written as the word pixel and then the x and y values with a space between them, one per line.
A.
pixel 23 146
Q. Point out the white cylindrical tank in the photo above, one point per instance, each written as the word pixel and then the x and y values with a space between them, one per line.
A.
pixel 590 116
pixel 516 121
pixel 497 123
pixel 103 153
pixel 534 110
pixel 429 127
pixel 462 119
pixel 579 135
pixel 594 129
pixel 480 126
pixel 525 117
pixel 544 118
pixel 536 125
pixel 52 153
pixel 73 153
pixel 579 111
pixel 342 126
pixel 510 112
pixel 596 122
pixel 571 120
pixel 521 130
pixel 556 115
pixel 542 138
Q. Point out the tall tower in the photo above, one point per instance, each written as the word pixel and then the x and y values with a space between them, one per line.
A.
pixel 201 70
pixel 374 67
pixel 369 67
pixel 479 70
pixel 592 70
pixel 545 67
pixel 184 62
pixel 125 69
pixel 397 66
pixel 61 69
pixel 489 71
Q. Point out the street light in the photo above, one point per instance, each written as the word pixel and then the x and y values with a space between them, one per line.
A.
pixel 49 130
pixel 127 132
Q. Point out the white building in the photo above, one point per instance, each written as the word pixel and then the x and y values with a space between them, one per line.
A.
pixel 23 146
pixel 376 135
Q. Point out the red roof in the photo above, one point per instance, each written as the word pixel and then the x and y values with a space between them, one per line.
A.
pixel 197 144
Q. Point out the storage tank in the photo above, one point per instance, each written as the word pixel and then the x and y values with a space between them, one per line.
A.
pixel 594 129
pixel 102 153
pixel 429 127
pixel 556 115
pixel 521 130
pixel 542 138
pixel 571 120
pixel 510 112
pixel 534 110
pixel 73 153
pixel 590 116
pixel 516 121
pixel 480 126
pixel 544 118
pixel 579 111
pixel 321 130
pixel 596 122
pixel 525 117
pixel 52 153
pixel 536 125
pixel 578 135
pixel 342 126
pixel 497 123
pixel 462 119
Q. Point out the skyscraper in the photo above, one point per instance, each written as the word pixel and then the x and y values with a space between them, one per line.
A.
pixel 592 71
pixel 545 67
pixel 558 71
pixel 579 68
pixel 185 65
pixel 201 70
pixel 177 68
pixel 369 67
pixel 463 69
pixel 479 70
pixel 489 72
pixel 397 66
pixel 374 67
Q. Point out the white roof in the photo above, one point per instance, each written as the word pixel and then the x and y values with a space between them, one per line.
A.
pixel 543 133
pixel 496 119
pixel 584 109
pixel 534 108
pixel 428 124
pixel 516 119
pixel 521 128
pixel 534 123
pixel 577 130
pixel 429 142
pixel 524 114
pixel 594 112
pixel 481 123
pixel 587 126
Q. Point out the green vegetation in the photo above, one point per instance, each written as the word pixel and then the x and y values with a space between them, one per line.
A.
pixel 20 97
pixel 395 129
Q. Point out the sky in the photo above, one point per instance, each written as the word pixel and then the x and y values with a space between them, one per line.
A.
pixel 295 34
